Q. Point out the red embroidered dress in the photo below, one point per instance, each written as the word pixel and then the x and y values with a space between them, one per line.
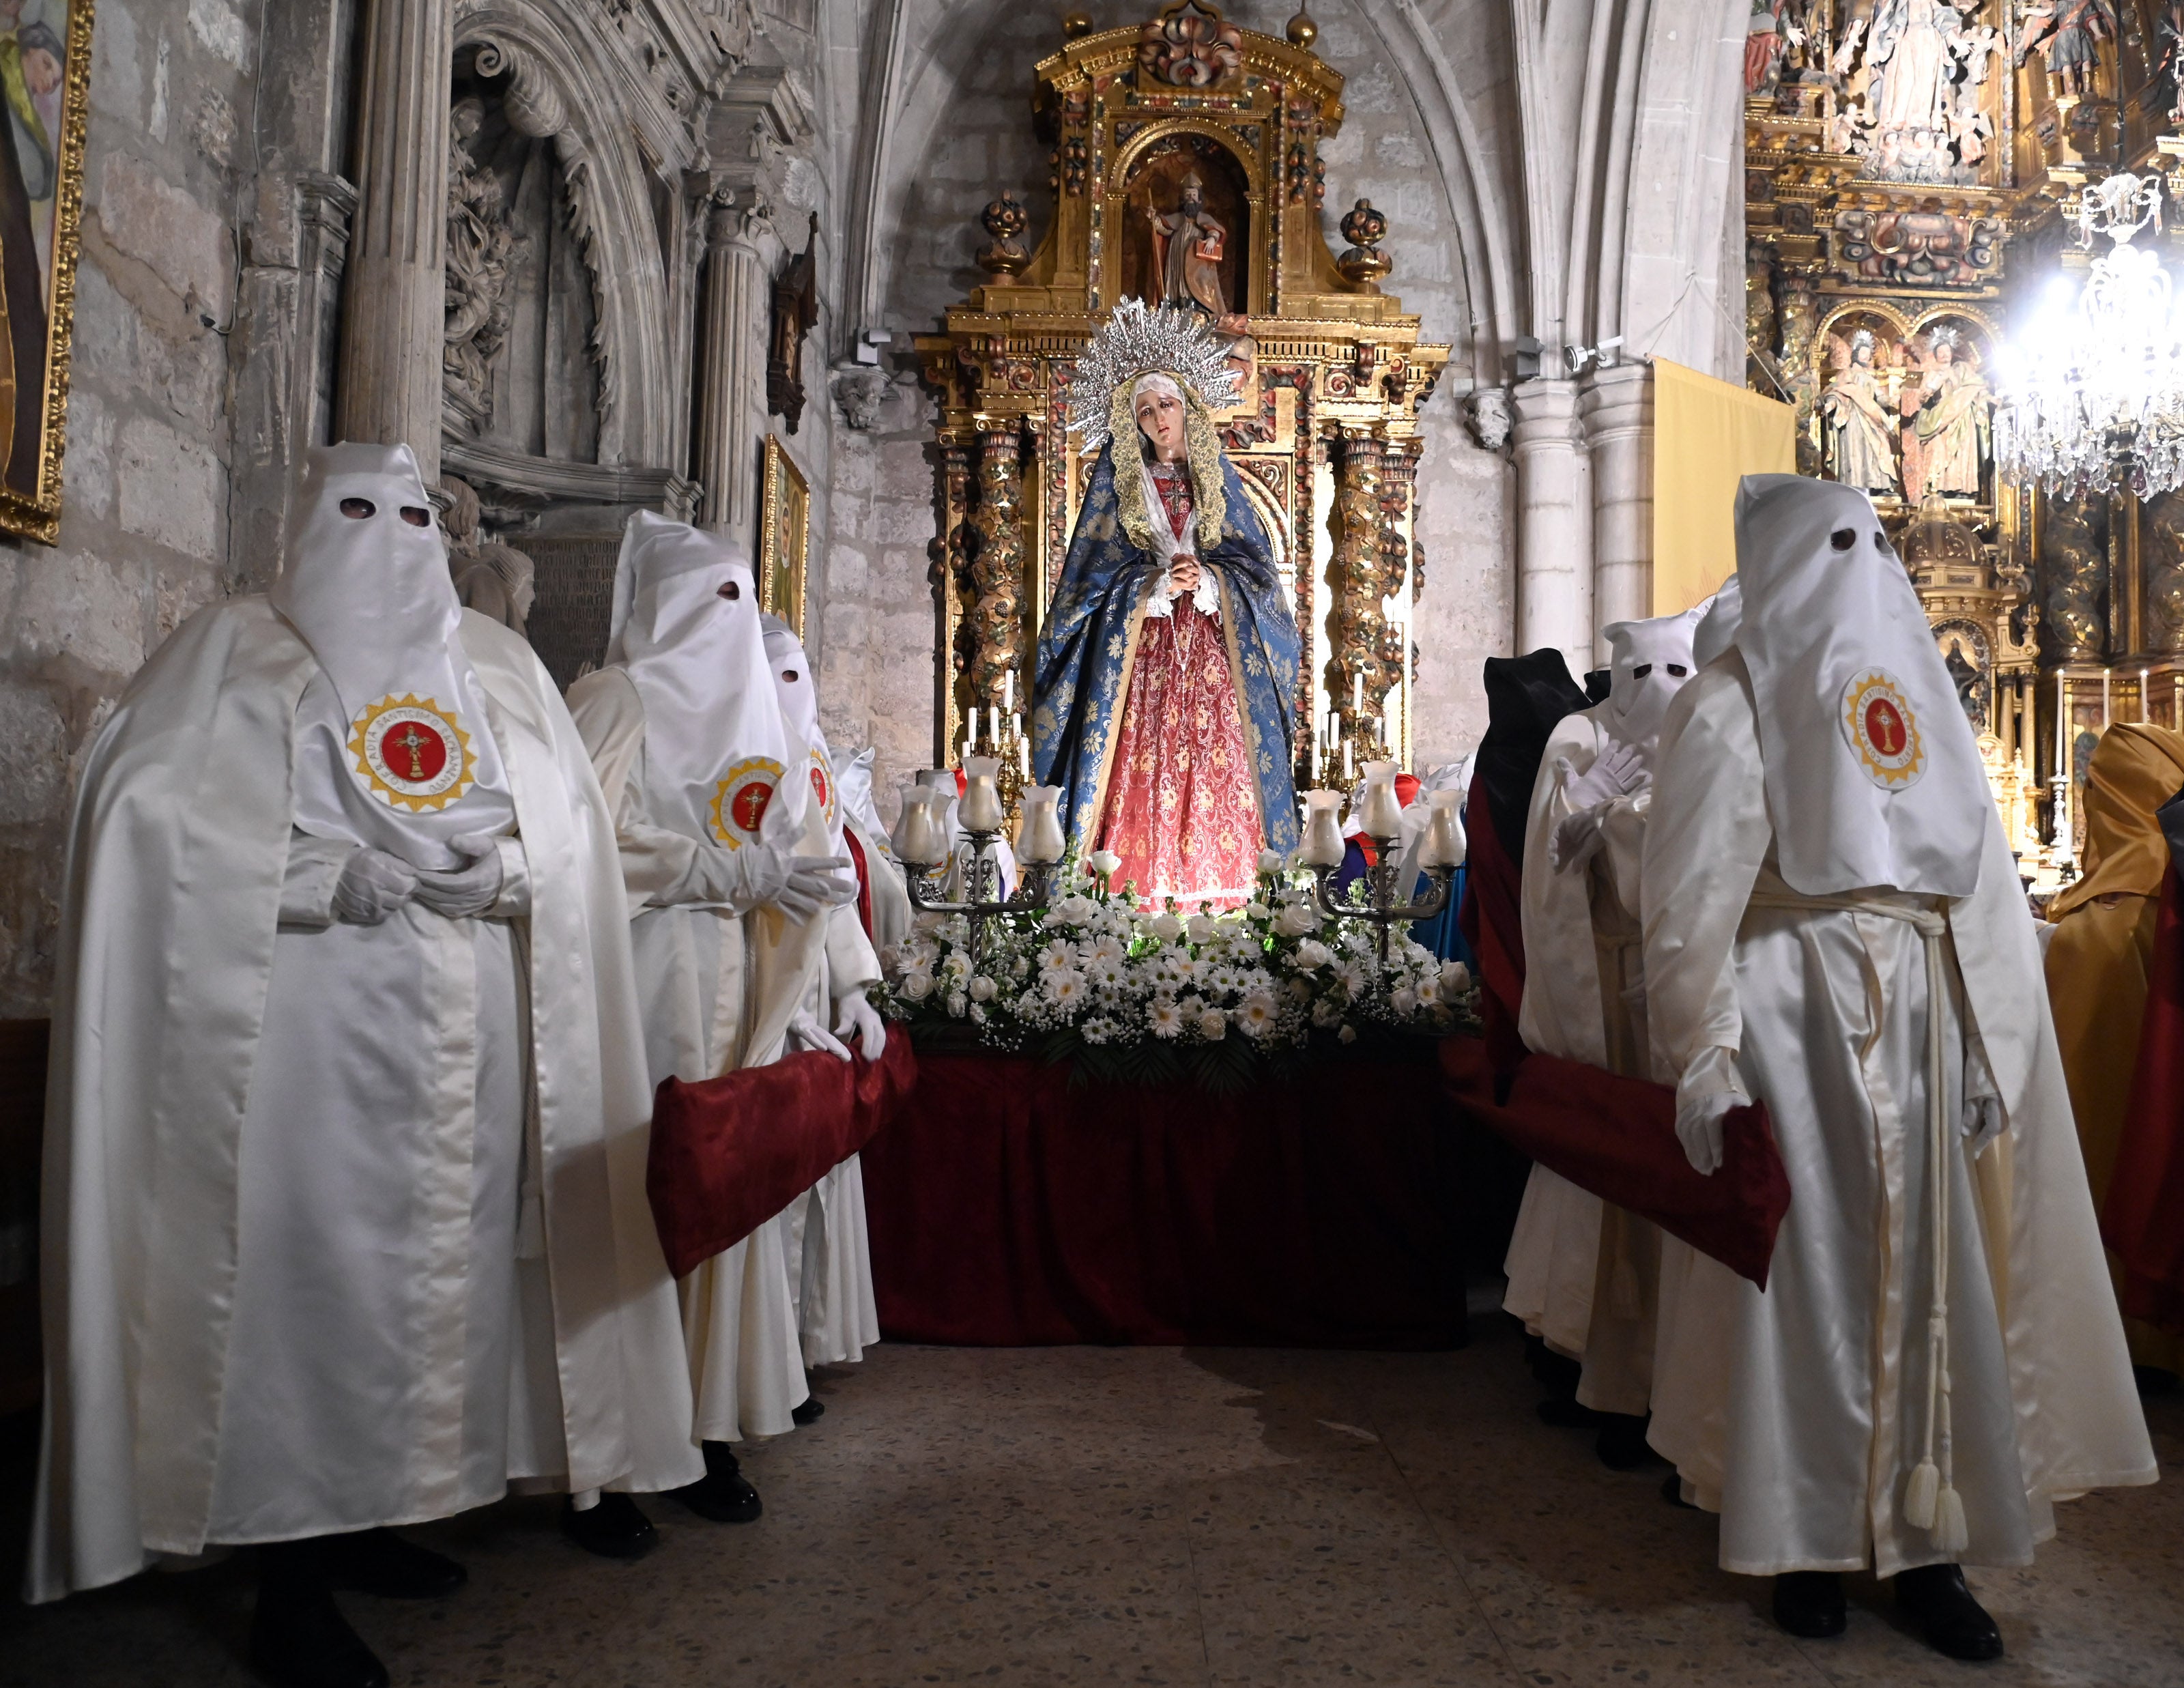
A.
pixel 1183 809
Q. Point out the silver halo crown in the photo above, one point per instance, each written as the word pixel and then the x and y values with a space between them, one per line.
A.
pixel 1140 340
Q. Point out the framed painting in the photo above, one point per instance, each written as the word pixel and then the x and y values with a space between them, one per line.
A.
pixel 45 79
pixel 784 533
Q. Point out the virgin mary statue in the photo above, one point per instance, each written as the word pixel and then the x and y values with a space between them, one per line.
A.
pixel 1165 694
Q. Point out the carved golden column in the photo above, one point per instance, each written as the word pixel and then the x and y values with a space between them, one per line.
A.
pixel 1398 501
pixel 994 612
pixel 949 550
pixel 1357 630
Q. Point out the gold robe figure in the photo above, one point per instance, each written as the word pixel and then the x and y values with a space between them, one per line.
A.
pixel 2098 959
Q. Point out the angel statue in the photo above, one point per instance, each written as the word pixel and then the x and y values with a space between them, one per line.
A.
pixel 1861 433
pixel 1166 685
pixel 1948 419
pixel 2067 34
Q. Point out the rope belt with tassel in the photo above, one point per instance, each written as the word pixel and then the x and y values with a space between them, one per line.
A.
pixel 1930 1501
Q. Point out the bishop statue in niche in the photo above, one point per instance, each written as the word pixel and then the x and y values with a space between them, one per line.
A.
pixel 1188 245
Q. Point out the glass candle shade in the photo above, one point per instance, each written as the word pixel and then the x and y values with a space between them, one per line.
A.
pixel 1381 812
pixel 1322 829
pixel 918 840
pixel 1038 836
pixel 1445 846
pixel 982 798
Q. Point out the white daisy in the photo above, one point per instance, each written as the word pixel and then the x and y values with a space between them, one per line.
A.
pixel 1257 1015
pixel 1164 1017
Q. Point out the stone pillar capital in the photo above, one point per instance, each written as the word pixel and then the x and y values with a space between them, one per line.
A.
pixel 1547 415
pixel 1618 400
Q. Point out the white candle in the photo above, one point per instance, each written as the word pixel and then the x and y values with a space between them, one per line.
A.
pixel 1009 688
pixel 2105 699
pixel 1023 756
pixel 2062 713
pixel 1358 694
pixel 1346 775
pixel 2144 706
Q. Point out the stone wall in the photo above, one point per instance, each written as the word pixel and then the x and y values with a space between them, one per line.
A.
pixel 144 537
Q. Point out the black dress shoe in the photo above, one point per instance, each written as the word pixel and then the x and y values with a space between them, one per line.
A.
pixel 1622 1441
pixel 1810 1604
pixel 379 1562
pixel 1953 1624
pixel 614 1529
pixel 1672 1491
pixel 298 1639
pixel 808 1411
pixel 721 1495
pixel 1568 1414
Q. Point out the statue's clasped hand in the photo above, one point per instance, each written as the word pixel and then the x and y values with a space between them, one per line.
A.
pixel 1183 572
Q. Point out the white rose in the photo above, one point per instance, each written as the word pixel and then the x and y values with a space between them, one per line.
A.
pixel 1201 928
pixel 1403 1001
pixel 1270 861
pixel 917 984
pixel 1165 927
pixel 1312 953
pixel 1104 862
pixel 1258 911
pixel 1454 978
pixel 982 989
pixel 1212 1025
pixel 1325 1013
pixel 1295 920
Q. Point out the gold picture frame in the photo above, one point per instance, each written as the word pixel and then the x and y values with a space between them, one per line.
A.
pixel 784 536
pixel 42 105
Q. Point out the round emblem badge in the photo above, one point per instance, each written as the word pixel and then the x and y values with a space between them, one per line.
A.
pixel 823 785
pixel 740 800
pixel 1883 730
pixel 412 754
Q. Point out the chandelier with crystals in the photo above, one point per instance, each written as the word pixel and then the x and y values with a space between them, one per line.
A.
pixel 2092 397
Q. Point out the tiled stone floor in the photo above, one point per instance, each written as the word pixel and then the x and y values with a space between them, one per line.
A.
pixel 1201 1516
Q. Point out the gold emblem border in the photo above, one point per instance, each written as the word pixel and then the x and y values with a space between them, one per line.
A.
pixel 360 729
pixel 749 765
pixel 1862 687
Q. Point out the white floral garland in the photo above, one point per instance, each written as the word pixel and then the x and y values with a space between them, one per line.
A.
pixel 1274 971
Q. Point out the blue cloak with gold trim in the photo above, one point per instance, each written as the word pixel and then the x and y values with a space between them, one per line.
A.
pixel 1090 638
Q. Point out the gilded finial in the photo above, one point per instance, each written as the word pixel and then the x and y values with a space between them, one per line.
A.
pixel 1075 24
pixel 1302 32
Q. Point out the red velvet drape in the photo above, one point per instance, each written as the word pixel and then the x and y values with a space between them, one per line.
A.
pixel 2143 1218
pixel 1492 922
pixel 729 1153
pixel 1616 1138
pixel 1006 1208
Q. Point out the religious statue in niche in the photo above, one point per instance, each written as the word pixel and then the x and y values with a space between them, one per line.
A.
pixel 795 309
pixel 1188 243
pixel 1860 431
pixel 1949 417
pixel 1776 29
pixel 2067 35
pixel 1164 697
pixel 1964 650
pixel 2166 94
pixel 482 251
pixel 1914 78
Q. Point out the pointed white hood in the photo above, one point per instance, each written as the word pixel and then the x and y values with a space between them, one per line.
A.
pixel 1872 777
pixel 1650 662
pixel 685 629
pixel 798 692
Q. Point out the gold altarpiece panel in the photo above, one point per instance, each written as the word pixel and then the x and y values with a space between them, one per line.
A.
pixel 1186 126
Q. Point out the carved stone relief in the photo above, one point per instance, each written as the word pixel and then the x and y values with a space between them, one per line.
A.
pixel 1913 106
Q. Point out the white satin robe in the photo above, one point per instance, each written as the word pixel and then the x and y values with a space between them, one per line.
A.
pixel 1582 1273
pixel 718 989
pixel 1798 1413
pixel 287 1169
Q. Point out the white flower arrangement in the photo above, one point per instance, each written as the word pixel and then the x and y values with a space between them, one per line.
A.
pixel 1100 978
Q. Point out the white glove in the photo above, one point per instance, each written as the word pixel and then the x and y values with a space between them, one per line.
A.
pixel 758 875
pixel 854 1018
pixel 1576 839
pixel 805 1032
pixel 372 885
pixel 1708 1091
pixel 1617 771
pixel 466 892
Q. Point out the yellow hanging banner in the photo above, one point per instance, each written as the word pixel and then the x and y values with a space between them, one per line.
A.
pixel 1707 435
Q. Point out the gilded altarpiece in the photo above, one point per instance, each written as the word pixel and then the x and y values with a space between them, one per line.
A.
pixel 1186 128
pixel 1908 166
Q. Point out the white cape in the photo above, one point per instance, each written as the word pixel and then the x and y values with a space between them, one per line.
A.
pixel 178 847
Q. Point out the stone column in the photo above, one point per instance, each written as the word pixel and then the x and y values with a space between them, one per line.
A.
pixel 394 313
pixel 1554 524
pixel 1618 431
pixel 732 378
pixel 995 613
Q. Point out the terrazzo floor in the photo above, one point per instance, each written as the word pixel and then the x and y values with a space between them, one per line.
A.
pixel 1195 1516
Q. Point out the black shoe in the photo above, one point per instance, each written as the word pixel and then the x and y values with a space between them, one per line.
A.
pixel 1953 1624
pixel 298 1639
pixel 808 1411
pixel 379 1562
pixel 721 1495
pixel 2155 1383
pixel 614 1529
pixel 1568 1415
pixel 1622 1444
pixel 1672 1491
pixel 1810 1604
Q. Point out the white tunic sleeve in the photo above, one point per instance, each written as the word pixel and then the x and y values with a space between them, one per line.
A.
pixel 660 868
pixel 1706 841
